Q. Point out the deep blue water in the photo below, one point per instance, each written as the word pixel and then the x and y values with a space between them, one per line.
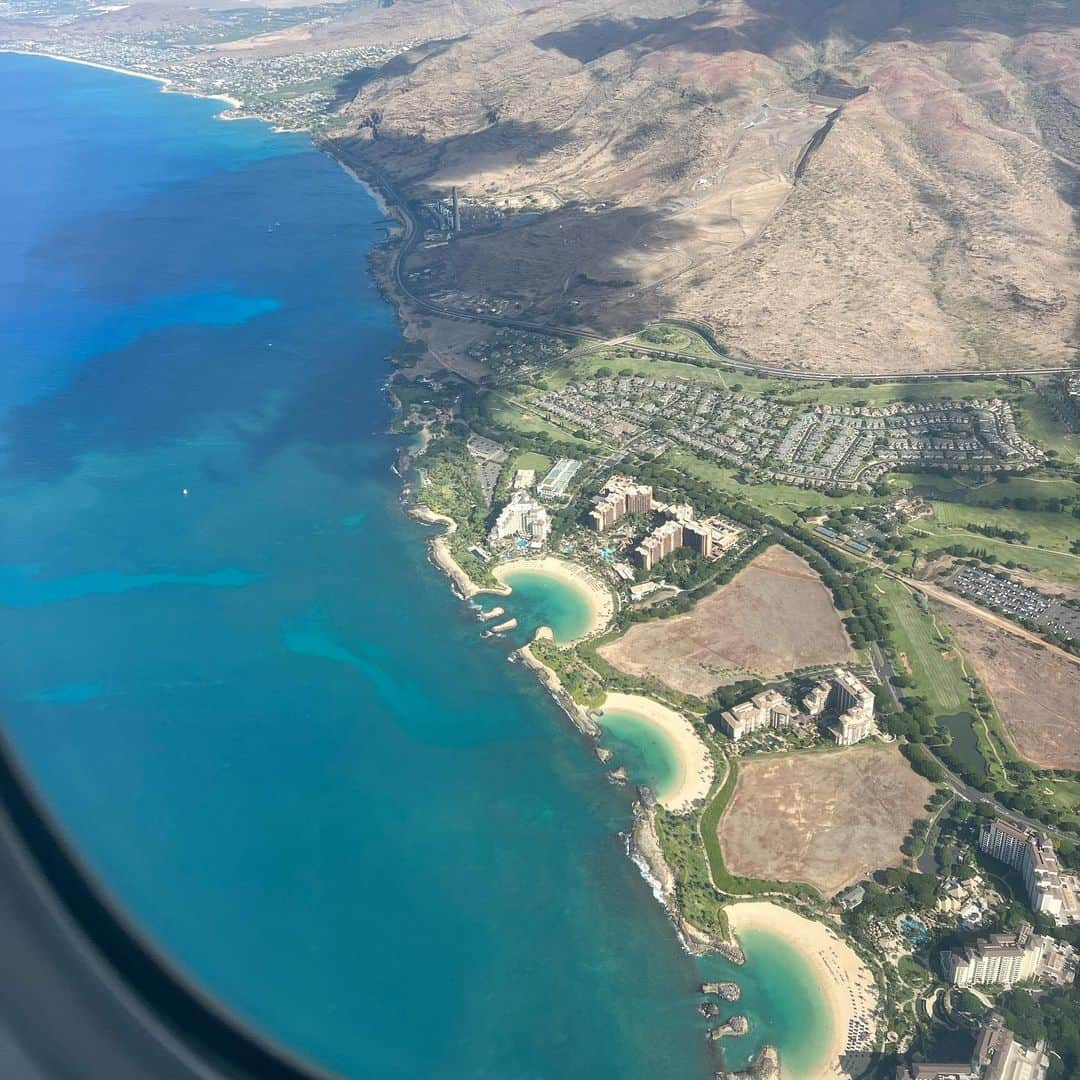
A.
pixel 256 707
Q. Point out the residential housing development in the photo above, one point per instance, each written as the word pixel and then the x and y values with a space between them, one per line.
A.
pixel 1005 959
pixel 998 1056
pixel 1049 890
pixel 824 445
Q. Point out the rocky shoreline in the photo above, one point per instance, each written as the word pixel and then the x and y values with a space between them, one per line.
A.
pixel 645 849
pixel 766 1066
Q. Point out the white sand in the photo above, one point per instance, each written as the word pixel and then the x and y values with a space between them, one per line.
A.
pixel 695 762
pixel 167 85
pixel 596 592
pixel 846 984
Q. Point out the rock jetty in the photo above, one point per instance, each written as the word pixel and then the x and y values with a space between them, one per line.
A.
pixel 766 1066
pixel 737 1025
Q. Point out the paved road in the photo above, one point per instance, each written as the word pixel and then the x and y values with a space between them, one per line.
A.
pixel 412 237
pixel 73 1005
pixel 1000 621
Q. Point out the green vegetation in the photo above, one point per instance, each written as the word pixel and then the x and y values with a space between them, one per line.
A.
pixel 933 671
pixel 579 681
pixel 1055 1017
pixel 529 459
pixel 451 486
pixel 782 501
pixel 726 881
pixel 699 902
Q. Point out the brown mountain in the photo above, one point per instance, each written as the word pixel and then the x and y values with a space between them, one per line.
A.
pixel 859 186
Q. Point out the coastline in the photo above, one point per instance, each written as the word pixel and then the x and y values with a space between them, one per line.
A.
pixel 597 595
pixel 439 544
pixel 846 986
pixel 696 768
pixel 579 716
pixel 439 550
pixel 168 86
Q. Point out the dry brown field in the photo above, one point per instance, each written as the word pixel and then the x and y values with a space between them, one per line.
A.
pixel 827 819
pixel 1035 690
pixel 773 617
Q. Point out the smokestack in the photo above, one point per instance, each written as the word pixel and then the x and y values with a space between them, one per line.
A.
pixel 457 214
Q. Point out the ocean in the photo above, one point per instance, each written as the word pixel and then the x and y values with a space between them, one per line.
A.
pixel 253 704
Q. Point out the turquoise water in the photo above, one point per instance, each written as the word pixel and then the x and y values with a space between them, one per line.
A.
pixel 780 998
pixel 257 708
pixel 539 600
pixel 646 753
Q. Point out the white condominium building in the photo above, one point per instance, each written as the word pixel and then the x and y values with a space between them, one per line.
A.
pixel 850 699
pixel 522 517
pixel 1032 853
pixel 1006 959
pixel 767 709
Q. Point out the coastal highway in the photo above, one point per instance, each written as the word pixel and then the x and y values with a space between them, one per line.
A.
pixel 83 997
pixel 412 233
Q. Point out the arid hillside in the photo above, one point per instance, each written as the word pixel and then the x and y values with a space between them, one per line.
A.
pixel 718 160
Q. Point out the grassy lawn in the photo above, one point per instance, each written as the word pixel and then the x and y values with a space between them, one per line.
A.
pixel 780 500
pixel 506 415
pixel 528 459
pixel 1039 424
pixel 979 491
pixel 1046 553
pixel 939 679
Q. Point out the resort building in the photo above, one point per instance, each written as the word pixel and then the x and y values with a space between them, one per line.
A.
pixel 522 518
pixel 619 496
pixel 1049 890
pixel 659 544
pixel 1006 959
pixel 997 1056
pixel 555 484
pixel 850 700
pixel 698 538
pixel 710 538
pixel 767 709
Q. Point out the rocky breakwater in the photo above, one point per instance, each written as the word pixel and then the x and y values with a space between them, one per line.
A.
pixel 736 1025
pixel 766 1066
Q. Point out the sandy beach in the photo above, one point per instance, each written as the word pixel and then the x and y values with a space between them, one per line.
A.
pixel 167 86
pixel 846 984
pixel 695 762
pixel 597 593
pixel 443 558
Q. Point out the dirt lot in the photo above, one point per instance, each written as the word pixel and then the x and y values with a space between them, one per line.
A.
pixel 775 616
pixel 828 819
pixel 1035 691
